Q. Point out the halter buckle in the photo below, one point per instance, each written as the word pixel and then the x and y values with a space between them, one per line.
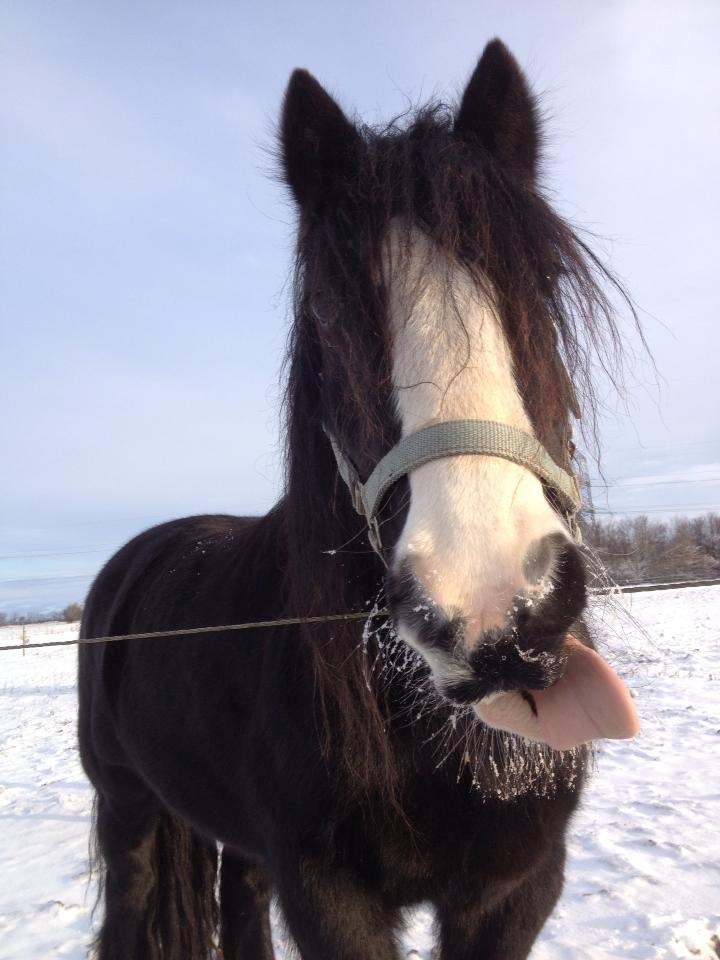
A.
pixel 373 529
pixel 356 490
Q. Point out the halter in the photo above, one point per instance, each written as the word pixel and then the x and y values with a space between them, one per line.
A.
pixel 450 439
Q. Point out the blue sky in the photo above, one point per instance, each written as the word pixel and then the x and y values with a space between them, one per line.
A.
pixel 145 245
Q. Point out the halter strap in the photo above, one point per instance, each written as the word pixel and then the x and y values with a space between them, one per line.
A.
pixel 449 439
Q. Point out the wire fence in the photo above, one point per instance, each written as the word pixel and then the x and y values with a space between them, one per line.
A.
pixel 297 621
pixel 193 631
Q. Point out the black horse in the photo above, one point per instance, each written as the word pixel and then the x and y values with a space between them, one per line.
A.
pixel 345 767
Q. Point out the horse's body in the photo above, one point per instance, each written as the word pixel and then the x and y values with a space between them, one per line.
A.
pixel 337 788
pixel 221 732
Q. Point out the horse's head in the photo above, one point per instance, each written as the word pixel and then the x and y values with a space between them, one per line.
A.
pixel 436 284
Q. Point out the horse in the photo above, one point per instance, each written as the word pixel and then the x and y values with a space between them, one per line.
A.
pixel 424 749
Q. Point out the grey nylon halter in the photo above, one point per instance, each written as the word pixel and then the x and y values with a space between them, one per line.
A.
pixel 450 439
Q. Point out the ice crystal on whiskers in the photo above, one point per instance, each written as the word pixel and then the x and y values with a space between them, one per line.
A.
pixel 498 764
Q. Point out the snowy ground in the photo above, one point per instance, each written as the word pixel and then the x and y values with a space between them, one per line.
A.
pixel 643 879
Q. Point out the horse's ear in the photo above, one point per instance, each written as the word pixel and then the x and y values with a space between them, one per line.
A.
pixel 499 111
pixel 318 142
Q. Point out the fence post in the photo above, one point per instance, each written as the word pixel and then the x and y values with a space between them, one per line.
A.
pixel 24 639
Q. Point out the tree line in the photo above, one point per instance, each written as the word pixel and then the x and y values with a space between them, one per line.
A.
pixel 70 614
pixel 643 550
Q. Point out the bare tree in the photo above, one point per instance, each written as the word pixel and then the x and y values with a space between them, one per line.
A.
pixel 641 549
pixel 72 613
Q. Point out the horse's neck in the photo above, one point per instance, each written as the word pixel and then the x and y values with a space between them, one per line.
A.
pixel 330 562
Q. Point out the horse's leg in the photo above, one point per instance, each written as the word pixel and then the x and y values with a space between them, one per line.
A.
pixel 505 930
pixel 126 836
pixel 332 916
pixel 245 909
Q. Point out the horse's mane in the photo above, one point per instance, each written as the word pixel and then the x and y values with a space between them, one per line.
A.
pixel 555 299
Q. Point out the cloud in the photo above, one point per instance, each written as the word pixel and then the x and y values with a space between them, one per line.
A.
pixel 697 473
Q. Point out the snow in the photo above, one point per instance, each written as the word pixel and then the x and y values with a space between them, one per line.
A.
pixel 643 875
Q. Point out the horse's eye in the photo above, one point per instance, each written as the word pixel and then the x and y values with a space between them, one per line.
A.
pixel 321 307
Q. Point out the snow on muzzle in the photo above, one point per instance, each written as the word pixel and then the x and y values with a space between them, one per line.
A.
pixel 533 676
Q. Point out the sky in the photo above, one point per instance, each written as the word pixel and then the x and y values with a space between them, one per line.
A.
pixel 145 241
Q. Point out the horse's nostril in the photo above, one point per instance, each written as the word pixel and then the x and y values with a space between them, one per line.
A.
pixel 542 556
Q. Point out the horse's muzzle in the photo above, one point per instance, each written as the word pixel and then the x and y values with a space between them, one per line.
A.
pixel 526 653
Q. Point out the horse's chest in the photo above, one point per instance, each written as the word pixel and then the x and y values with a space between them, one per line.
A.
pixel 449 842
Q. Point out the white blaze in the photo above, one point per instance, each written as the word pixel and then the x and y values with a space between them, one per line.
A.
pixel 471 518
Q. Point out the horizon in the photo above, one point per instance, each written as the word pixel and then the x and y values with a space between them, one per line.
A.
pixel 145 247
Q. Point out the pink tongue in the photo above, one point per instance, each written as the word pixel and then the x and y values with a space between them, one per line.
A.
pixel 588 702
